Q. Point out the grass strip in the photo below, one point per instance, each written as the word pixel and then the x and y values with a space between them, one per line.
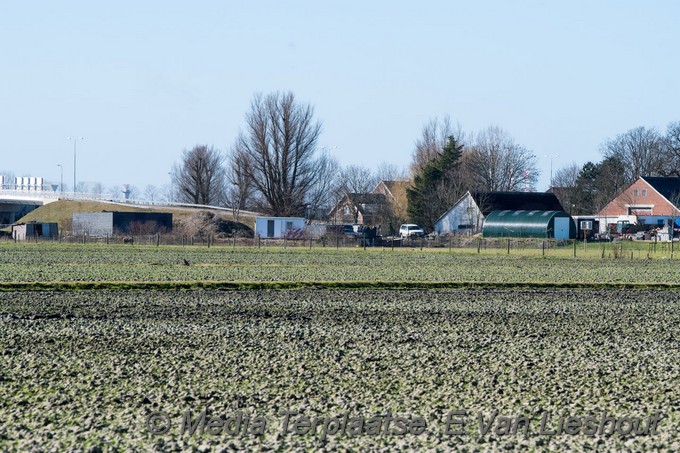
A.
pixel 326 285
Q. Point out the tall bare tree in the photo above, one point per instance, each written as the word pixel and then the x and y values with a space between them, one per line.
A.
pixel 434 137
pixel 201 177
pixel 496 163
pixel 639 150
pixel 280 144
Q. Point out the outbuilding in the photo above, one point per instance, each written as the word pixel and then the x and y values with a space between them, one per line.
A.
pixel 529 224
pixel 30 230
pixel 108 223
pixel 279 227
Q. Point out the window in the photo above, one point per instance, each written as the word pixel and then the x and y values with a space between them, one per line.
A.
pixel 635 192
pixel 644 192
pixel 289 226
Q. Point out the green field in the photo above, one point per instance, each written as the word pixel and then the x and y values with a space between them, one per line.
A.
pixel 85 365
pixel 53 263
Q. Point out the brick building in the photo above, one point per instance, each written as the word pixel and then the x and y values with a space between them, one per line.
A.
pixel 650 201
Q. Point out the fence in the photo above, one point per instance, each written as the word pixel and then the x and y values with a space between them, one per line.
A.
pixel 507 246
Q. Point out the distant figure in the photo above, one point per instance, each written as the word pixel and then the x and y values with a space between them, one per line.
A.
pixel 186 262
pixel 128 240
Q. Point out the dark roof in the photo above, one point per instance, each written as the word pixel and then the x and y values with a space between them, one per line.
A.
pixel 516 201
pixel 367 198
pixel 364 202
pixel 668 187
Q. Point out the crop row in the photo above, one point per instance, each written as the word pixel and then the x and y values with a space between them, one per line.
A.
pixel 85 369
pixel 35 263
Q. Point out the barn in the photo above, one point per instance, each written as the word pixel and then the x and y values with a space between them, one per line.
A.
pixel 467 215
pixel 529 224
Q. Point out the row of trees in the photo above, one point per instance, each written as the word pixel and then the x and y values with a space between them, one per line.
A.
pixel 275 165
pixel 586 189
pixel 447 163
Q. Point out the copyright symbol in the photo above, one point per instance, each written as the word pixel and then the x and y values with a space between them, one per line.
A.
pixel 158 423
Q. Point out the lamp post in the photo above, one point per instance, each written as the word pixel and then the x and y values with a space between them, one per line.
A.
pixel 551 157
pixel 61 179
pixel 75 142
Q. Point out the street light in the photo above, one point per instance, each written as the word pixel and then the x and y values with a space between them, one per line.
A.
pixel 75 142
pixel 551 157
pixel 61 179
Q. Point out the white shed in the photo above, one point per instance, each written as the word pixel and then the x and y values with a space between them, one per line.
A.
pixel 279 227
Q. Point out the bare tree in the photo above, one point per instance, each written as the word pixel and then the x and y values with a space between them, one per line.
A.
pixel 280 144
pixel 114 191
pixel 97 189
pixel 356 179
pixel 671 149
pixel 239 184
pixel 390 172
pixel 200 177
pixel 353 182
pixel 496 163
pixel 434 137
pixel 639 150
pixel 564 185
pixel 151 192
pixel 321 195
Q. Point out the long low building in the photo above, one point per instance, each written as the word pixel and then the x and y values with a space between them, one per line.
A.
pixel 108 223
pixel 529 224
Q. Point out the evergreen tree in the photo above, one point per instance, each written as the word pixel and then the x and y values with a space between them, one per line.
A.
pixel 437 186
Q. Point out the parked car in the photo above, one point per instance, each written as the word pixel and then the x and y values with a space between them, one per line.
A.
pixel 411 230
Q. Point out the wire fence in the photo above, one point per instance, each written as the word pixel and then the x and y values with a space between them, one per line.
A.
pixel 627 249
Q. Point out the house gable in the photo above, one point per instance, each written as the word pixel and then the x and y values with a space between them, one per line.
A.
pixel 645 197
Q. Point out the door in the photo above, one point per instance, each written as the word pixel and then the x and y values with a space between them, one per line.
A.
pixel 562 227
pixel 270 228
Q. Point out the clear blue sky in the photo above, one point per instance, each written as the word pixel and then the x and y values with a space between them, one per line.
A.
pixel 141 81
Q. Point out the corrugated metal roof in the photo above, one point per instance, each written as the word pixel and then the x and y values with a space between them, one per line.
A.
pixel 522 223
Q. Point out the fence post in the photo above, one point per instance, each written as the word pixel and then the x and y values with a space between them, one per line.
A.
pixel 574 248
pixel 258 241
pixel 543 247
pixel 310 243
pixel 508 246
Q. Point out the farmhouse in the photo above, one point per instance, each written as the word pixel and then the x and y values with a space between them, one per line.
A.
pixel 360 208
pixel 108 223
pixel 467 215
pixel 651 201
